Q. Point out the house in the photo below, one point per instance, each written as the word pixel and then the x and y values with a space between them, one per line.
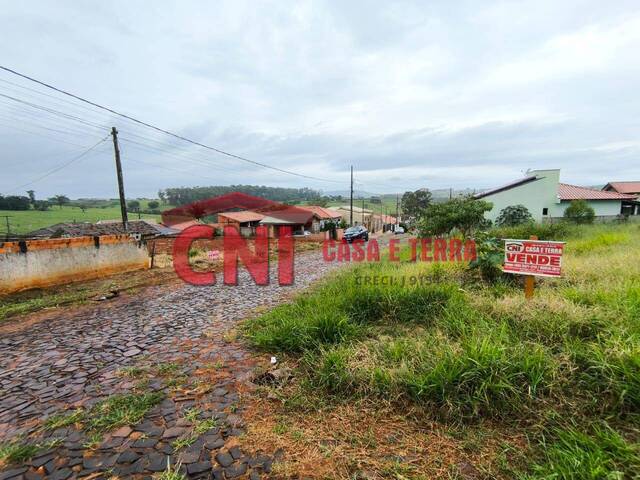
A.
pixel 245 221
pixel 300 220
pixel 360 215
pixel 144 228
pixel 382 222
pixel 546 198
pixel 321 215
pixel 627 188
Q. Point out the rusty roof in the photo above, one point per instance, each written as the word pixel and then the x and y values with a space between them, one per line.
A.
pixel 574 192
pixel 321 212
pixel 624 187
pixel 90 229
pixel 242 216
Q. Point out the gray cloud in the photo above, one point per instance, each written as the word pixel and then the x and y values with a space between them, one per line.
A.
pixel 412 94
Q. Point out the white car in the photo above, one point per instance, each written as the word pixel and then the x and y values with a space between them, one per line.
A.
pixel 398 229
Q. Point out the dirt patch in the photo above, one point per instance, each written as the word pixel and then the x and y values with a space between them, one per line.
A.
pixel 367 441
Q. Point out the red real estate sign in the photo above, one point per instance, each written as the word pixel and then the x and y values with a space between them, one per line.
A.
pixel 533 257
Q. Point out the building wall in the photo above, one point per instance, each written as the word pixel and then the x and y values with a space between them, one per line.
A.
pixel 358 217
pixel 602 208
pixel 59 261
pixel 534 195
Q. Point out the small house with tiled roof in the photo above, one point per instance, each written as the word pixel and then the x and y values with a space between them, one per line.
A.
pixel 626 187
pixel 547 198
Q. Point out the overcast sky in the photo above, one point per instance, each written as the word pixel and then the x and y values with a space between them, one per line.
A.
pixel 413 94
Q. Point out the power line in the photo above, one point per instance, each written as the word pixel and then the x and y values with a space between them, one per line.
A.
pixel 53 111
pixel 41 135
pixel 51 129
pixel 154 150
pixel 60 167
pixel 167 132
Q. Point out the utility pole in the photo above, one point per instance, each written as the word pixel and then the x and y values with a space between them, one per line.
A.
pixel 363 211
pixel 123 202
pixel 7 217
pixel 351 200
pixel 397 208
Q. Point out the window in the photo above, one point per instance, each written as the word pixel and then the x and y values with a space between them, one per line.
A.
pixel 545 211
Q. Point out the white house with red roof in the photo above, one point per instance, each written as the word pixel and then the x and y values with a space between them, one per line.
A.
pixel 546 197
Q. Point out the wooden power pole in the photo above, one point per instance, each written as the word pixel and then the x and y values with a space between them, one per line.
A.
pixel 7 217
pixel 123 202
pixel 351 200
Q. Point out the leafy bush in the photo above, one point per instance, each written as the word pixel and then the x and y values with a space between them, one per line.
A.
pixel 514 215
pixel 490 256
pixel 579 212
pixel 464 214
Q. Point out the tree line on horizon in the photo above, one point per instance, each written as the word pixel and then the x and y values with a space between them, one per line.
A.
pixel 184 195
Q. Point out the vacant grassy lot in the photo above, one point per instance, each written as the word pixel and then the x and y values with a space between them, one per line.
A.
pixel 28 220
pixel 459 378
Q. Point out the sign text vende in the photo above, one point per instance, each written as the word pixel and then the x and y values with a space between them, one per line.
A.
pixel 533 257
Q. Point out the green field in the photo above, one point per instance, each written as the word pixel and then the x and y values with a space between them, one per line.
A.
pixel 25 221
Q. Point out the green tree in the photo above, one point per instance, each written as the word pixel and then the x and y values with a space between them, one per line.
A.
pixel 579 212
pixel 41 205
pixel 60 200
pixel 153 204
pixel 414 204
pixel 514 215
pixel 14 202
pixel 82 207
pixel 465 214
pixel 133 205
pixel 32 196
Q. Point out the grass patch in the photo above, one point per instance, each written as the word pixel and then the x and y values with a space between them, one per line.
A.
pixel 61 420
pixel 168 368
pixel 16 452
pixel 462 352
pixel 602 453
pixel 171 473
pixel 109 414
pixel 119 410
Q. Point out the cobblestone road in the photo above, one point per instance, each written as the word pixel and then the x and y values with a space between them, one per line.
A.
pixel 170 338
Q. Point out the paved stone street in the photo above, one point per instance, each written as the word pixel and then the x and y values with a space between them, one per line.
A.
pixel 169 340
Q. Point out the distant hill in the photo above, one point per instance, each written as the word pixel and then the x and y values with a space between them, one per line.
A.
pixel 346 193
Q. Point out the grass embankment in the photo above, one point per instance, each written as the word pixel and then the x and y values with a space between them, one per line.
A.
pixel 555 380
pixel 78 293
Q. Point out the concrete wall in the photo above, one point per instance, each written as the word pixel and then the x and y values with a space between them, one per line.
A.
pixel 59 261
pixel 602 208
pixel 536 195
